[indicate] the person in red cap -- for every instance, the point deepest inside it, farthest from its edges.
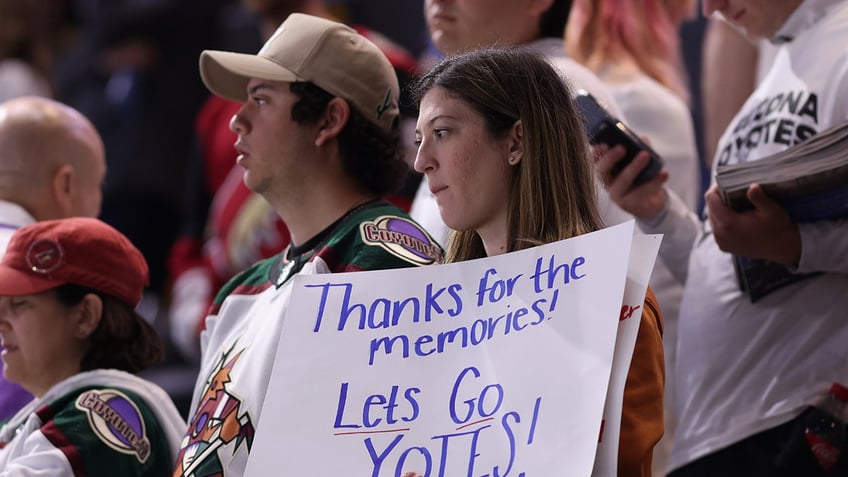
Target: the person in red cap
(70, 336)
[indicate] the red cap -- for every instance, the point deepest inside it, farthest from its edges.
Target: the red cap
(839, 391)
(81, 251)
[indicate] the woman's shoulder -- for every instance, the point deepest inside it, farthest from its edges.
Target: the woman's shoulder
(107, 429)
(652, 311)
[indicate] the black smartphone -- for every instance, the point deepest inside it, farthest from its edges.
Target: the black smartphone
(603, 128)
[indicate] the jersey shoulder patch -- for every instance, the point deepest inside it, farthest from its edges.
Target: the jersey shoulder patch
(116, 420)
(401, 237)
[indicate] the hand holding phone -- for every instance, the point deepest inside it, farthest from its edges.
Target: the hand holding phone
(603, 128)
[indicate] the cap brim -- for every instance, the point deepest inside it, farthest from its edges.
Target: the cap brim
(14, 282)
(226, 73)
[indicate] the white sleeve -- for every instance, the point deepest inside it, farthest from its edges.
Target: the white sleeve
(37, 457)
(824, 247)
(680, 228)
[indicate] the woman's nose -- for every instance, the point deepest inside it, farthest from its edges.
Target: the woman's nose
(424, 161)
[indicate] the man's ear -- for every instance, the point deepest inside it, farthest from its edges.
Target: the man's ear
(62, 188)
(336, 115)
(516, 143)
(89, 312)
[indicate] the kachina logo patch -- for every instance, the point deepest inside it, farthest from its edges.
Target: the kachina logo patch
(402, 238)
(116, 421)
(219, 420)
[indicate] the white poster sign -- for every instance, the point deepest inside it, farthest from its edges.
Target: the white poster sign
(642, 258)
(497, 367)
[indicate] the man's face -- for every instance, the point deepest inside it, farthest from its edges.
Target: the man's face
(273, 148)
(756, 18)
(457, 25)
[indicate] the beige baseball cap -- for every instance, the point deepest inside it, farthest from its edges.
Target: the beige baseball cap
(331, 55)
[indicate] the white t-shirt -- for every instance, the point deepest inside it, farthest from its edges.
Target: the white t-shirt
(743, 368)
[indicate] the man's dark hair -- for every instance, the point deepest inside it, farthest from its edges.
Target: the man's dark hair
(371, 155)
(553, 21)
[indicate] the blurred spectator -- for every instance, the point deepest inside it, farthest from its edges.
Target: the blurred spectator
(51, 166)
(132, 72)
(634, 48)
(24, 61)
(401, 21)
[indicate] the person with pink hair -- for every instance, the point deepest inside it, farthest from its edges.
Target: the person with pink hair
(613, 38)
(634, 48)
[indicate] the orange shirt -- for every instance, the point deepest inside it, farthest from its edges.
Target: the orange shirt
(642, 415)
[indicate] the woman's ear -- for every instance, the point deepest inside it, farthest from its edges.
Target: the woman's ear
(89, 313)
(516, 143)
(336, 115)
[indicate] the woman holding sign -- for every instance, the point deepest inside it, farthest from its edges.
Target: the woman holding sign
(507, 159)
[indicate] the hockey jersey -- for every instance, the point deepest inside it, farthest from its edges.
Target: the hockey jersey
(96, 423)
(245, 322)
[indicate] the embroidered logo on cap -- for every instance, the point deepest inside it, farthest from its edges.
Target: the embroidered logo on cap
(402, 238)
(44, 256)
(387, 103)
(116, 421)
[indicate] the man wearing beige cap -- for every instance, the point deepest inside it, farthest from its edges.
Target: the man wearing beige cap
(318, 139)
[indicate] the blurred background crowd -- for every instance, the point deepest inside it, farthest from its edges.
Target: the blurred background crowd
(130, 66)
